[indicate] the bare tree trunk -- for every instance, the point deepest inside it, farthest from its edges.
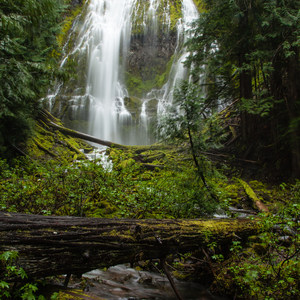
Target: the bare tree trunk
(50, 245)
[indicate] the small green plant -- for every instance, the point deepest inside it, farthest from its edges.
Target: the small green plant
(269, 268)
(9, 269)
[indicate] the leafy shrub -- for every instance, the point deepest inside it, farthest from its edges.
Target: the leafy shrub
(269, 268)
(9, 268)
(88, 189)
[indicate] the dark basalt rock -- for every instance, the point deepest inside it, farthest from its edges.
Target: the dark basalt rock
(149, 55)
(76, 2)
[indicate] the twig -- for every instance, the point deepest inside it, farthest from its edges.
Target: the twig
(164, 267)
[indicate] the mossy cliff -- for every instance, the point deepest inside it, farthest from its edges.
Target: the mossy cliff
(200, 5)
(153, 42)
(168, 12)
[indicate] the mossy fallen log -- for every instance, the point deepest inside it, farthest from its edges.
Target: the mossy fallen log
(251, 194)
(50, 245)
(51, 121)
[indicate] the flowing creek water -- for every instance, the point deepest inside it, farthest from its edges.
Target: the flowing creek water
(124, 283)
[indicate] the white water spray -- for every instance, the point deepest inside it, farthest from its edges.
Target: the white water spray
(109, 31)
(101, 46)
(178, 71)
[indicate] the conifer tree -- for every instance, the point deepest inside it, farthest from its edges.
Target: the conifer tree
(250, 51)
(27, 40)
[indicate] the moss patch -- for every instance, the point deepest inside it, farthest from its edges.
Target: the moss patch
(138, 86)
(68, 22)
(168, 11)
(47, 143)
(200, 5)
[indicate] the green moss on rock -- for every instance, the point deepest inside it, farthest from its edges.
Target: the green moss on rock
(200, 5)
(156, 74)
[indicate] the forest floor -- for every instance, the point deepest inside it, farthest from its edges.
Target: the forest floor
(158, 181)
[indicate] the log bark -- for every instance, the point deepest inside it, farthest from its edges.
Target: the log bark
(50, 245)
(50, 121)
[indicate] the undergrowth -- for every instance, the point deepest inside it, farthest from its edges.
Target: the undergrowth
(268, 267)
(88, 189)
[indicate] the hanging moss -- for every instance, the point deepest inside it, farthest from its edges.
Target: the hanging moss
(175, 12)
(166, 9)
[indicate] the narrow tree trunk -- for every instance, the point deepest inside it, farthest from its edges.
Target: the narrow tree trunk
(50, 245)
(293, 103)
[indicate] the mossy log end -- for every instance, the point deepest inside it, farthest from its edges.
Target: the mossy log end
(50, 245)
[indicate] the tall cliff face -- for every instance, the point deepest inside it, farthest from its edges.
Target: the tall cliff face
(122, 50)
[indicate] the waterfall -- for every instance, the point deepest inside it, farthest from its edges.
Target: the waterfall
(178, 71)
(102, 49)
(109, 30)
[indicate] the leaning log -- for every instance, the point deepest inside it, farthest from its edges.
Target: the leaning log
(50, 121)
(51, 245)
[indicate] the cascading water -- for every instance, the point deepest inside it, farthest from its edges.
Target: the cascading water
(178, 71)
(103, 50)
(110, 27)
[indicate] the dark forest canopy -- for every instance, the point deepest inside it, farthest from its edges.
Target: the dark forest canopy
(250, 51)
(28, 55)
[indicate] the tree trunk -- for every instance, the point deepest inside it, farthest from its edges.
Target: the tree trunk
(50, 245)
(293, 103)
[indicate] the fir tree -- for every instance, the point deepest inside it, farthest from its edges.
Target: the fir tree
(250, 51)
(27, 40)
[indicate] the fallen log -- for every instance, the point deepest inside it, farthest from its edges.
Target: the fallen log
(51, 245)
(252, 196)
(50, 121)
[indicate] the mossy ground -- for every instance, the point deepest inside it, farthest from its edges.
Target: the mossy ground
(47, 143)
(159, 167)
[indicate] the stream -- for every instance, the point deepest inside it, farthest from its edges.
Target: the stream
(124, 283)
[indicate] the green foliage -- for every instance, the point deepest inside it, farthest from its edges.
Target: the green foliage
(27, 35)
(269, 267)
(249, 50)
(9, 268)
(190, 121)
(88, 189)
